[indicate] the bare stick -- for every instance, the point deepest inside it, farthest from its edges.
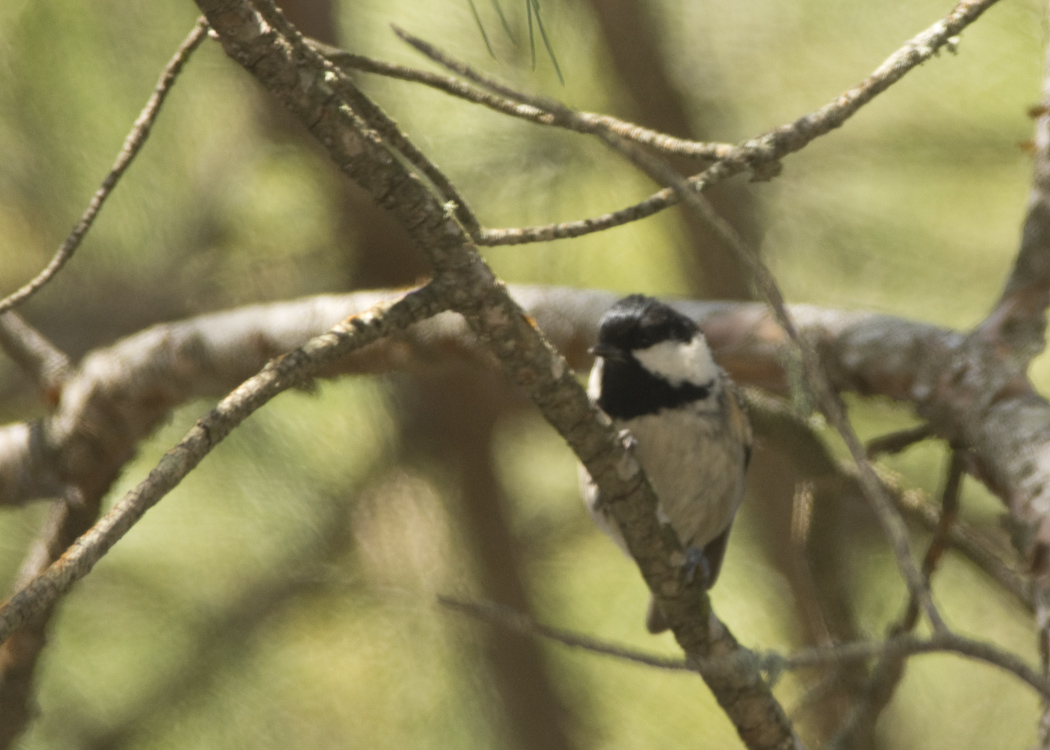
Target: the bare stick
(904, 646)
(771, 663)
(276, 377)
(506, 617)
(520, 105)
(132, 144)
(939, 542)
(651, 206)
(888, 673)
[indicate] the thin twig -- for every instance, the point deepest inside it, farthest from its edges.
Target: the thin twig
(524, 107)
(771, 663)
(132, 144)
(941, 535)
(288, 371)
(460, 68)
(905, 646)
(973, 545)
(654, 204)
(949, 512)
(521, 623)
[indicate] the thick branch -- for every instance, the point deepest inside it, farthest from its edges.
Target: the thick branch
(129, 388)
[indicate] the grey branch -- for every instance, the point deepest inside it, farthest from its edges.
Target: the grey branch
(119, 394)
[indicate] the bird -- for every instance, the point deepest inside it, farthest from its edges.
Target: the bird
(654, 376)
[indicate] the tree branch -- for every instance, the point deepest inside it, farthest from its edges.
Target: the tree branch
(761, 155)
(289, 371)
(135, 383)
(898, 648)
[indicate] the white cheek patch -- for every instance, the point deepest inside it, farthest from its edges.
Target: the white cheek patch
(594, 383)
(679, 362)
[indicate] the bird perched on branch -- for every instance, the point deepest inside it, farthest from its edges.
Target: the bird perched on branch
(654, 376)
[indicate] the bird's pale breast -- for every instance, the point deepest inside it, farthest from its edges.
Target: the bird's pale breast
(696, 470)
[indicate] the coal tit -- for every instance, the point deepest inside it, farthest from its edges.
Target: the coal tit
(654, 376)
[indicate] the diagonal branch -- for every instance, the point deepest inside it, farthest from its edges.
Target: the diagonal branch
(288, 371)
(302, 80)
(507, 617)
(888, 672)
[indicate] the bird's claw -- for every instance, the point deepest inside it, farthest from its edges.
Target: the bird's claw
(696, 561)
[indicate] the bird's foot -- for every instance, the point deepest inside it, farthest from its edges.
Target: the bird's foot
(696, 561)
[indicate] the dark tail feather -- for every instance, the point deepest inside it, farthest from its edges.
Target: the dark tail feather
(714, 553)
(654, 619)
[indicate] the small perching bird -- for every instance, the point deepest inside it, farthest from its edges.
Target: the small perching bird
(654, 376)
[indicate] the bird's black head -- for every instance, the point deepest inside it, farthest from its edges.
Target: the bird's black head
(638, 322)
(653, 358)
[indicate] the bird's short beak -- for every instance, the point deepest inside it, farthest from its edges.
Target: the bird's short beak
(605, 351)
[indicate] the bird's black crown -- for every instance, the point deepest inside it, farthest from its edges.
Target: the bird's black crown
(638, 322)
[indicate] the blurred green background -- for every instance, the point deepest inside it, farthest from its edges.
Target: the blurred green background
(284, 595)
